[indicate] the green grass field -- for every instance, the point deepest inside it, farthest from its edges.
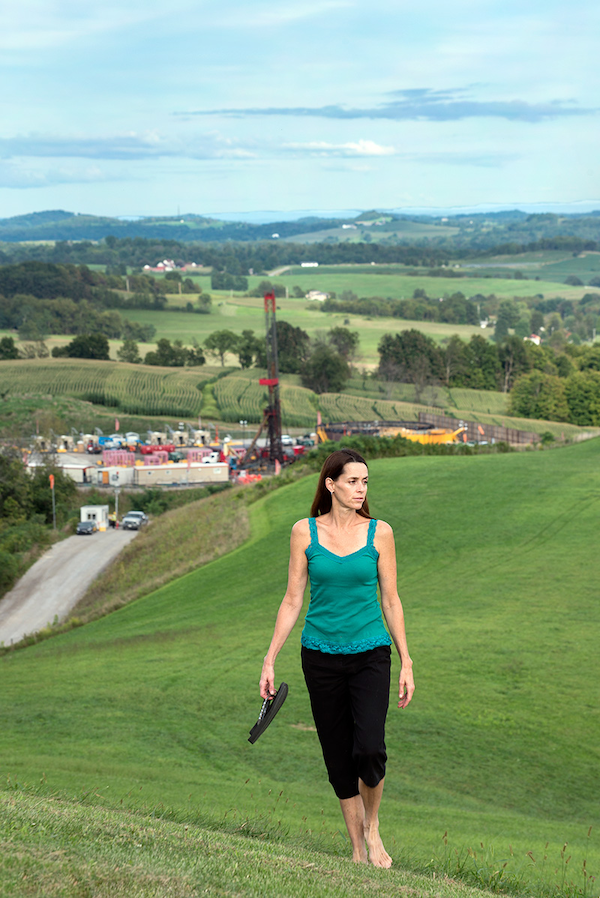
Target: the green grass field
(549, 265)
(149, 709)
(366, 281)
(243, 313)
(403, 229)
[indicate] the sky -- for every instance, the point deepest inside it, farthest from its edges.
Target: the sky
(141, 107)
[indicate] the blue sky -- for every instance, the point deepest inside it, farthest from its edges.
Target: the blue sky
(145, 107)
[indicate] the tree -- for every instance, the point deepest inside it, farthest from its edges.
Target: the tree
(175, 355)
(204, 303)
(15, 485)
(249, 348)
(195, 357)
(221, 280)
(325, 371)
(514, 361)
(523, 327)
(539, 395)
(508, 316)
(501, 329)
(129, 352)
(345, 342)
(481, 365)
(219, 343)
(268, 287)
(454, 359)
(85, 346)
(412, 356)
(537, 322)
(8, 348)
(65, 490)
(293, 347)
(582, 390)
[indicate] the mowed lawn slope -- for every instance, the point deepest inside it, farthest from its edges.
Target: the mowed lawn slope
(499, 572)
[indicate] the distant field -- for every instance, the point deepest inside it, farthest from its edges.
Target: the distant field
(241, 313)
(365, 282)
(549, 265)
(402, 229)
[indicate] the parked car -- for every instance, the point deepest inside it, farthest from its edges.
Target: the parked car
(133, 520)
(286, 440)
(86, 528)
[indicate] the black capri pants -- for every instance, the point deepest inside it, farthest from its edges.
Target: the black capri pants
(349, 696)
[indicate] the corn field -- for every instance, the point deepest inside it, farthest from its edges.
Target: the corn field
(239, 397)
(134, 389)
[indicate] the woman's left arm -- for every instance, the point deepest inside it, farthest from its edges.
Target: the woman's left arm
(392, 608)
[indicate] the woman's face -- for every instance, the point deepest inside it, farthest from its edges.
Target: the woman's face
(350, 489)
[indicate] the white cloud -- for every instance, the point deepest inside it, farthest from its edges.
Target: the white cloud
(351, 148)
(129, 146)
(23, 177)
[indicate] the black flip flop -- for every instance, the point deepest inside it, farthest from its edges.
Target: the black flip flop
(268, 711)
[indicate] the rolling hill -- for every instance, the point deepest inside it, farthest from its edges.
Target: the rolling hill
(149, 709)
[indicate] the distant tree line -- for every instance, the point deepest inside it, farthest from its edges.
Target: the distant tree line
(35, 319)
(233, 258)
(555, 320)
(543, 383)
(40, 298)
(455, 309)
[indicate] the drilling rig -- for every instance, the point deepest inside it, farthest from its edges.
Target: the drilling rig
(271, 421)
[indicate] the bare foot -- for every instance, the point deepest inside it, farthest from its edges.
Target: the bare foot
(378, 856)
(359, 856)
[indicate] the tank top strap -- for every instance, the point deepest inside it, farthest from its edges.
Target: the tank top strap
(371, 532)
(314, 537)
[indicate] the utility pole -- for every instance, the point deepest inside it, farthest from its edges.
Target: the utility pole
(51, 478)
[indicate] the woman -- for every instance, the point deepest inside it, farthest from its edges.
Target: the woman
(345, 646)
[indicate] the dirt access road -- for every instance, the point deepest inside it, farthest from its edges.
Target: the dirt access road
(57, 581)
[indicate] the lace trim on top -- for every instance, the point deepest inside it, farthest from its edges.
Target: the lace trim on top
(352, 648)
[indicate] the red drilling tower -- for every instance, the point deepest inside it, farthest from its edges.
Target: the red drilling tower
(273, 411)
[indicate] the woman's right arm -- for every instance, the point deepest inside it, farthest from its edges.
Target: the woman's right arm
(290, 608)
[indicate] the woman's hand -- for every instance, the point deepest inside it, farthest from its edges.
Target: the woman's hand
(406, 686)
(267, 681)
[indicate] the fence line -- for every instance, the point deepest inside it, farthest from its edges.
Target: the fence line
(478, 432)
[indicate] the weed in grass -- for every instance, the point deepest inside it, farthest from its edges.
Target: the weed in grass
(507, 875)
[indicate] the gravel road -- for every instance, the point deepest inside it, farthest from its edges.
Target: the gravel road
(57, 581)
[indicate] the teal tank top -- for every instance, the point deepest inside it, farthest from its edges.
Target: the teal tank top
(344, 615)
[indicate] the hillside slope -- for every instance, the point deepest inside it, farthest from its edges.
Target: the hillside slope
(151, 706)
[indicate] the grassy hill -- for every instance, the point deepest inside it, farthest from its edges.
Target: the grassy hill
(148, 710)
(66, 848)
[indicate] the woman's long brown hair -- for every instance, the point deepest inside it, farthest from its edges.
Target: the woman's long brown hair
(333, 467)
